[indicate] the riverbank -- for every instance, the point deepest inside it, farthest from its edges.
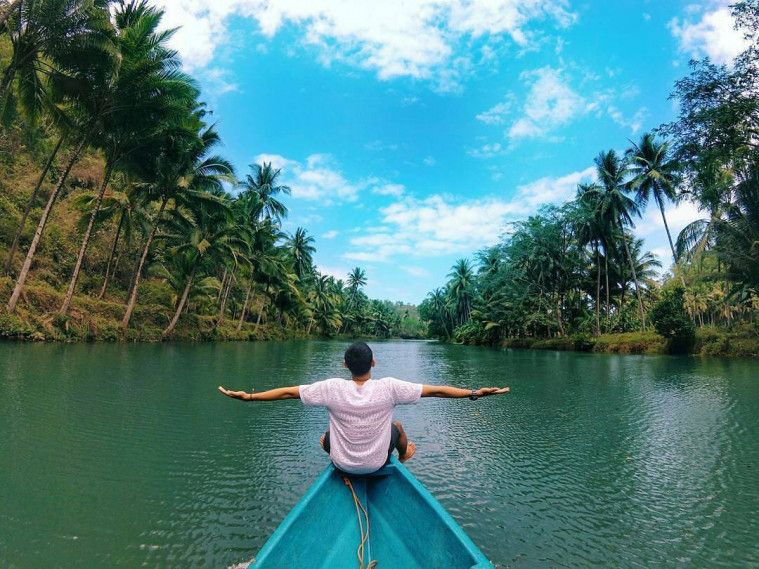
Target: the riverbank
(709, 342)
(91, 320)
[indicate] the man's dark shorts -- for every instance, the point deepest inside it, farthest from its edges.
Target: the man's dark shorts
(395, 434)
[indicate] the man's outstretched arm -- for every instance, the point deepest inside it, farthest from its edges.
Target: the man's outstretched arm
(271, 395)
(458, 393)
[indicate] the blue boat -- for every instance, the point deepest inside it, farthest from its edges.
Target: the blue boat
(408, 528)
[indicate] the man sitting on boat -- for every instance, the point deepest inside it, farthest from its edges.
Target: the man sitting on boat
(362, 434)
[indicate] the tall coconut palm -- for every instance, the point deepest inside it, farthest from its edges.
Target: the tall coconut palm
(146, 93)
(617, 208)
(29, 204)
(261, 188)
(588, 226)
(460, 288)
(7, 7)
(356, 279)
(51, 37)
(206, 235)
(301, 248)
(182, 165)
(85, 66)
(654, 174)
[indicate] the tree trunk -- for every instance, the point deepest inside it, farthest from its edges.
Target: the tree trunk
(7, 9)
(29, 204)
(24, 273)
(606, 273)
(136, 286)
(260, 313)
(558, 316)
(224, 298)
(669, 236)
(244, 307)
(111, 256)
(598, 292)
(182, 301)
(221, 287)
(86, 239)
(635, 280)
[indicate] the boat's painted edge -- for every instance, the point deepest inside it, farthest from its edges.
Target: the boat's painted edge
(296, 510)
(482, 562)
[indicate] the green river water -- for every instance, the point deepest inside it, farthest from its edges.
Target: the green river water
(125, 455)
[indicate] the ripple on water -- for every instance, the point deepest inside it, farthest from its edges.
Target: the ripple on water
(605, 461)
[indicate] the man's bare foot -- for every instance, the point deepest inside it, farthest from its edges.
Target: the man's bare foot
(410, 451)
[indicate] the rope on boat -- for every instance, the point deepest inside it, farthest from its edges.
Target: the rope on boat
(364, 534)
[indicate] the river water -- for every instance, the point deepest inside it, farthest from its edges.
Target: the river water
(126, 455)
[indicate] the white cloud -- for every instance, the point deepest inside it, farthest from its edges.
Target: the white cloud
(634, 123)
(486, 150)
(429, 161)
(550, 103)
(417, 272)
(331, 234)
(395, 190)
(713, 35)
(551, 190)
(411, 38)
(442, 225)
(318, 179)
(497, 114)
(339, 273)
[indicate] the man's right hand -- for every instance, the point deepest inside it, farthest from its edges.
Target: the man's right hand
(485, 391)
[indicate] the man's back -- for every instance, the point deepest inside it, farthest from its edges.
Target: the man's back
(360, 417)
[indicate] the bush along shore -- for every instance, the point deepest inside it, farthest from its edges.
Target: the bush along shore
(119, 219)
(576, 276)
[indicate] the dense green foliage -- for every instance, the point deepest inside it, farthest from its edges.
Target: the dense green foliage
(671, 320)
(578, 269)
(138, 219)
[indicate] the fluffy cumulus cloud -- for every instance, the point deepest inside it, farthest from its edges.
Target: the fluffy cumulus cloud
(319, 178)
(443, 225)
(413, 38)
(551, 102)
(712, 33)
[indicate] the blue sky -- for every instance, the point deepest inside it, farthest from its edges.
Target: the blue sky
(411, 132)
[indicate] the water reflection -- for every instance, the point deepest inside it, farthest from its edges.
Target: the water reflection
(125, 455)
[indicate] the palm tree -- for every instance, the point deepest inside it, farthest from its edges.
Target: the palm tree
(460, 288)
(88, 63)
(206, 235)
(261, 189)
(184, 165)
(29, 204)
(589, 229)
(301, 248)
(654, 174)
(8, 7)
(51, 37)
(129, 207)
(616, 208)
(356, 279)
(146, 93)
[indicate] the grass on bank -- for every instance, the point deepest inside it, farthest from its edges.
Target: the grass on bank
(709, 342)
(37, 319)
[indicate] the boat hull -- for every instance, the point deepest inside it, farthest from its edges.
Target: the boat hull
(409, 527)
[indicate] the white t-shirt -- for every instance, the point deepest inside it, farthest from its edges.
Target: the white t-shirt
(360, 417)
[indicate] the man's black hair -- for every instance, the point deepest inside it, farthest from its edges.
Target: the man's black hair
(358, 358)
